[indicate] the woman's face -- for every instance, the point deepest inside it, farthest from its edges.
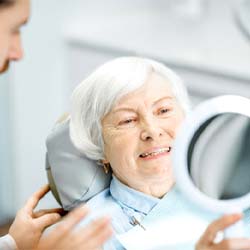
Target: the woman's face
(139, 132)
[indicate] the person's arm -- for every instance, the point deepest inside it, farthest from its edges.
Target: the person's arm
(206, 242)
(7, 243)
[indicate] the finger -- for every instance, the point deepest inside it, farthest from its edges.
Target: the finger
(218, 225)
(100, 236)
(47, 220)
(42, 212)
(75, 216)
(69, 222)
(36, 197)
(97, 240)
(94, 234)
(233, 244)
(99, 227)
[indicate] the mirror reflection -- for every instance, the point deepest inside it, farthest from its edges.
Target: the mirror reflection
(219, 157)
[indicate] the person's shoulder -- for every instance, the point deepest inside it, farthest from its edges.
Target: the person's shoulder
(100, 199)
(102, 204)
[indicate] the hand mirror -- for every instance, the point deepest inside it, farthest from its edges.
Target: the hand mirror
(212, 156)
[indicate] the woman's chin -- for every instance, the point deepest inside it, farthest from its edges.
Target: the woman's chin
(159, 168)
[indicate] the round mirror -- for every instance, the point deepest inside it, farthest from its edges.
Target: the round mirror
(218, 157)
(212, 154)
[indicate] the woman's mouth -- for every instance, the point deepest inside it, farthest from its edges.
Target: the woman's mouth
(155, 153)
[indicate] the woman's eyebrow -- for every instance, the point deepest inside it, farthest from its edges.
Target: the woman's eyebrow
(120, 109)
(162, 99)
(123, 109)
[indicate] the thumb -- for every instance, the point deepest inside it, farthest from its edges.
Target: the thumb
(47, 220)
(218, 225)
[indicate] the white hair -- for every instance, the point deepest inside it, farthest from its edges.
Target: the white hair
(95, 96)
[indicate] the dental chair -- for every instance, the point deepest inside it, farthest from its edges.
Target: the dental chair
(73, 178)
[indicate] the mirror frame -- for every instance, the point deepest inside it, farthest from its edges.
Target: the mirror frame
(196, 118)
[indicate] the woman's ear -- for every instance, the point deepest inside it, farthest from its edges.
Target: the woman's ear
(104, 161)
(106, 166)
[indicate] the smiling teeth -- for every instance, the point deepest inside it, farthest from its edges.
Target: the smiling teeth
(160, 151)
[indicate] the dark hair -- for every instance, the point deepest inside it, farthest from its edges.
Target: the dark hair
(6, 2)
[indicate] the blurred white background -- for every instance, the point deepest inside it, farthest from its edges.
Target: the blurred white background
(65, 40)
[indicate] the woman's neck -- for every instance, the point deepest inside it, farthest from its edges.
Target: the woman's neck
(157, 190)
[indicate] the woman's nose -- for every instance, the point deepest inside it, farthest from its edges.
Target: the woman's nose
(151, 131)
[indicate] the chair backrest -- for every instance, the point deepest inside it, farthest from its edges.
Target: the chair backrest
(73, 178)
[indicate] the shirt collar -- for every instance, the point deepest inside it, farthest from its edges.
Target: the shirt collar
(132, 198)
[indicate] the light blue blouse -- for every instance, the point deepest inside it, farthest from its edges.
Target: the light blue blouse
(126, 206)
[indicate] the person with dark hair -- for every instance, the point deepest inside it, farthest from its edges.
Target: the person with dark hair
(26, 231)
(6, 2)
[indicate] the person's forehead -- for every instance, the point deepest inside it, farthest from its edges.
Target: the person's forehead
(22, 10)
(156, 87)
(16, 14)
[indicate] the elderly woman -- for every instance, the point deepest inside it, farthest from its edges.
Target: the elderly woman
(125, 115)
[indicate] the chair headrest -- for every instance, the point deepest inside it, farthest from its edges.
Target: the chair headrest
(73, 178)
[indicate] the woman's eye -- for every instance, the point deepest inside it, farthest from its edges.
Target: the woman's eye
(164, 110)
(127, 121)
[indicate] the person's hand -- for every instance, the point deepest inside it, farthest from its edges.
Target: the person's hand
(65, 237)
(28, 225)
(206, 242)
